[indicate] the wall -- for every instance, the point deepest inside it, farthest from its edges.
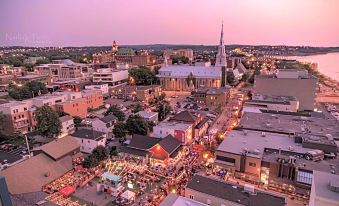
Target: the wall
(88, 145)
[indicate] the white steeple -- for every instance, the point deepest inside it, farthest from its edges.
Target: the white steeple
(221, 55)
(165, 61)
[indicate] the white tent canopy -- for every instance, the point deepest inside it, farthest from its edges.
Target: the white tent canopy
(129, 195)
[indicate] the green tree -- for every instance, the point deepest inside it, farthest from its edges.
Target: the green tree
(136, 125)
(77, 121)
(100, 153)
(114, 110)
(119, 130)
(137, 107)
(230, 77)
(89, 162)
(48, 123)
(27, 91)
(163, 108)
(142, 76)
(244, 77)
(36, 87)
(61, 113)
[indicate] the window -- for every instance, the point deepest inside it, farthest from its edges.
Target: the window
(252, 164)
(304, 177)
(191, 197)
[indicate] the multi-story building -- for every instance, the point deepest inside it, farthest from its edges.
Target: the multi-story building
(89, 139)
(110, 76)
(105, 124)
(143, 93)
(216, 192)
(170, 53)
(177, 200)
(94, 98)
(102, 87)
(63, 70)
(274, 159)
(181, 131)
(289, 82)
(325, 189)
(212, 96)
(17, 117)
(67, 125)
(76, 107)
(273, 103)
(149, 116)
(188, 117)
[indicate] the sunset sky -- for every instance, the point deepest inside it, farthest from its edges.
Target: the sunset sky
(99, 22)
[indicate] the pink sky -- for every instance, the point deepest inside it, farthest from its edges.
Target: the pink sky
(99, 22)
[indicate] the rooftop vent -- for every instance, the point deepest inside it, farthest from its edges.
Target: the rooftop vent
(263, 134)
(334, 185)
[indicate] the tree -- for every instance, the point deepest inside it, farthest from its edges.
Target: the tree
(142, 76)
(100, 153)
(36, 87)
(119, 130)
(136, 125)
(114, 110)
(163, 108)
(77, 121)
(244, 77)
(27, 91)
(230, 77)
(48, 123)
(61, 113)
(89, 162)
(137, 107)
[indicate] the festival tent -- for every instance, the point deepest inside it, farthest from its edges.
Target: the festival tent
(66, 191)
(129, 195)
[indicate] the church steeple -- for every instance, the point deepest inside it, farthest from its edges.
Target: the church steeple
(221, 55)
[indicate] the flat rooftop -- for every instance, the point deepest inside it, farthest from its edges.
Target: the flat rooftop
(286, 124)
(322, 182)
(146, 114)
(177, 200)
(275, 99)
(177, 125)
(233, 192)
(239, 141)
(210, 90)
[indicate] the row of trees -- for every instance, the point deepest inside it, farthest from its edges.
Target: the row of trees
(27, 91)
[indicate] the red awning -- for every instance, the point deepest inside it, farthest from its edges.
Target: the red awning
(66, 191)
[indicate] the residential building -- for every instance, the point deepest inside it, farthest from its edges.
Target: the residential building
(110, 76)
(273, 103)
(201, 128)
(239, 70)
(89, 139)
(212, 96)
(94, 98)
(177, 200)
(325, 189)
(148, 93)
(216, 192)
(149, 116)
(76, 107)
(67, 125)
(154, 151)
(183, 132)
(49, 162)
(105, 124)
(188, 117)
(289, 82)
(170, 53)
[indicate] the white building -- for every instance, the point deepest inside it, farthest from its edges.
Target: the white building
(110, 76)
(325, 189)
(105, 124)
(273, 103)
(149, 116)
(102, 87)
(89, 139)
(67, 125)
(180, 131)
(177, 200)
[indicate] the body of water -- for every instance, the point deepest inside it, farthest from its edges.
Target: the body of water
(328, 64)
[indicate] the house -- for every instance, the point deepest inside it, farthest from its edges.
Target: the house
(154, 151)
(177, 200)
(89, 139)
(149, 116)
(180, 131)
(188, 117)
(67, 125)
(105, 124)
(239, 70)
(216, 192)
(49, 162)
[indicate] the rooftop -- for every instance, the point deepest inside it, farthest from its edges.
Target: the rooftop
(286, 124)
(59, 147)
(185, 71)
(177, 125)
(233, 192)
(31, 198)
(275, 99)
(185, 116)
(322, 182)
(255, 143)
(177, 200)
(209, 90)
(65, 118)
(143, 142)
(86, 133)
(108, 118)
